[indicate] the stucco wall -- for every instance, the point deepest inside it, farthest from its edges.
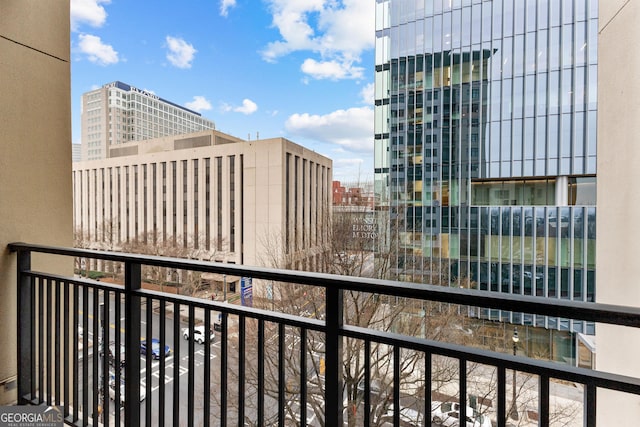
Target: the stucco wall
(35, 136)
(618, 238)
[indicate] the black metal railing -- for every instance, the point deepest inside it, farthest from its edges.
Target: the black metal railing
(79, 341)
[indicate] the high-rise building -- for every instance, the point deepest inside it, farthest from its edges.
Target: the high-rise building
(485, 150)
(118, 113)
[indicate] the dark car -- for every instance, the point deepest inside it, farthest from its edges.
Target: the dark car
(155, 348)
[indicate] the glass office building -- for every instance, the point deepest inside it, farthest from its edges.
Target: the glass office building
(485, 145)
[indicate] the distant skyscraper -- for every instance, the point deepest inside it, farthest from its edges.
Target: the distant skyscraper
(485, 148)
(76, 152)
(118, 113)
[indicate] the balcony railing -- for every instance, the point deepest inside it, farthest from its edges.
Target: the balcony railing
(79, 346)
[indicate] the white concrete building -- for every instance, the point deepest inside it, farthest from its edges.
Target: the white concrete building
(224, 198)
(118, 113)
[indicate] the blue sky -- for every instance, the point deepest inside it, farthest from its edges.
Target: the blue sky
(300, 69)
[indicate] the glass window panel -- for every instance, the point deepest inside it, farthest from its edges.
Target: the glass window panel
(528, 139)
(530, 53)
(506, 99)
(542, 94)
(593, 41)
(486, 21)
(518, 55)
(593, 87)
(496, 61)
(531, 15)
(540, 281)
(567, 132)
(591, 129)
(580, 84)
(456, 30)
(428, 34)
(507, 57)
(518, 89)
(495, 96)
(542, 50)
(518, 20)
(529, 95)
(554, 48)
(527, 277)
(528, 221)
(437, 33)
(505, 154)
(581, 44)
(507, 25)
(466, 27)
(553, 136)
(517, 139)
(580, 141)
(591, 285)
(476, 23)
(446, 31)
(567, 46)
(543, 13)
(551, 282)
(506, 279)
(580, 10)
(541, 138)
(567, 11)
(495, 141)
(577, 285)
(554, 12)
(554, 85)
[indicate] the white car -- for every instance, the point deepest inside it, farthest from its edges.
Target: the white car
(448, 414)
(408, 417)
(198, 334)
(112, 391)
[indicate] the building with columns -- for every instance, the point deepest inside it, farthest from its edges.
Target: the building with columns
(220, 197)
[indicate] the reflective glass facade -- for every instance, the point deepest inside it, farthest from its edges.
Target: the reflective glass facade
(485, 144)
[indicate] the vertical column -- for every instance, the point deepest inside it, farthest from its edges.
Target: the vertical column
(562, 191)
(333, 373)
(25, 327)
(132, 280)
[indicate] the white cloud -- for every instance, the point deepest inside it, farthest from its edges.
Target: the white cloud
(368, 95)
(336, 29)
(89, 12)
(351, 129)
(333, 70)
(180, 52)
(96, 51)
(225, 5)
(199, 103)
(248, 107)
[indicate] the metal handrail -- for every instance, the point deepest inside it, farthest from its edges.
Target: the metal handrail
(332, 326)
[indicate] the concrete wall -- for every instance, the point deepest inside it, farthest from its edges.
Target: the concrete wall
(35, 136)
(618, 238)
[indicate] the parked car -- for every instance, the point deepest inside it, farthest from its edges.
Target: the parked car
(112, 353)
(409, 417)
(155, 348)
(112, 391)
(198, 334)
(448, 414)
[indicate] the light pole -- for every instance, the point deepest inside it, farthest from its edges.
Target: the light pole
(513, 413)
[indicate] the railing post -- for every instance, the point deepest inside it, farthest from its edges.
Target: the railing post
(25, 326)
(333, 363)
(132, 283)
